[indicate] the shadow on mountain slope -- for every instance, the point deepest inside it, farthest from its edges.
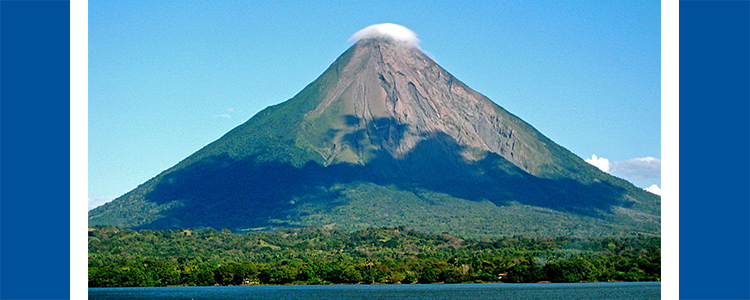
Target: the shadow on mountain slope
(220, 191)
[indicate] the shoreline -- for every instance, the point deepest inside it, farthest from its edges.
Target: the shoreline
(375, 284)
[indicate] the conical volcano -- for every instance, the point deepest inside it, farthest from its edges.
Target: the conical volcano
(387, 137)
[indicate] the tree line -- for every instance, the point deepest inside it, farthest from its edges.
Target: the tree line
(125, 257)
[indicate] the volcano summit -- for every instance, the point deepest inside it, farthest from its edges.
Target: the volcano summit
(387, 137)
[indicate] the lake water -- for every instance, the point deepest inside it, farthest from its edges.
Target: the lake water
(562, 291)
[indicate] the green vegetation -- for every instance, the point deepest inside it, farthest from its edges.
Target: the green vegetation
(125, 257)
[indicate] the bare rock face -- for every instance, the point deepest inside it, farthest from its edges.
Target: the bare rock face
(396, 96)
(380, 132)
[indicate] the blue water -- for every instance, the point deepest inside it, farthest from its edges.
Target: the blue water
(547, 291)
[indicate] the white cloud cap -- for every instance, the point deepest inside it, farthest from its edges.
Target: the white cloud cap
(390, 31)
(599, 162)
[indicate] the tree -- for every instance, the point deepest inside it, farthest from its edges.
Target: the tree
(572, 270)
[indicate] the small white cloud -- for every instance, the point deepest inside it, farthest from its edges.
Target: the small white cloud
(226, 114)
(599, 162)
(641, 168)
(390, 31)
(654, 189)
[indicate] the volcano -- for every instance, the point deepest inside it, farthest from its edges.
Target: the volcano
(387, 137)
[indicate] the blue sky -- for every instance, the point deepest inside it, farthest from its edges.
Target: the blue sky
(168, 77)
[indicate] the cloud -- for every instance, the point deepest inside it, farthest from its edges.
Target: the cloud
(390, 31)
(98, 201)
(226, 114)
(640, 169)
(599, 162)
(654, 189)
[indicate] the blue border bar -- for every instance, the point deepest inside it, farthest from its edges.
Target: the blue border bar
(34, 150)
(714, 150)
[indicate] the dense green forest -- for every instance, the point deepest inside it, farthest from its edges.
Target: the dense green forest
(125, 257)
